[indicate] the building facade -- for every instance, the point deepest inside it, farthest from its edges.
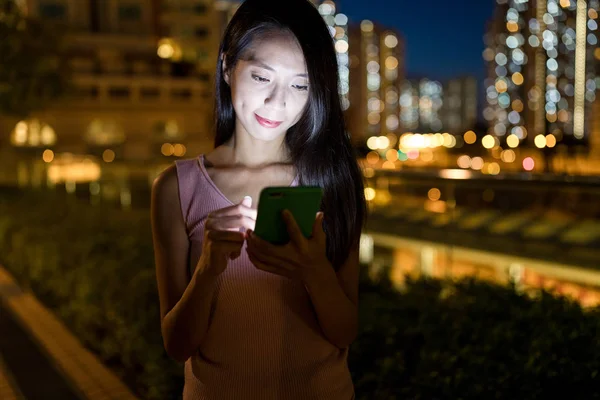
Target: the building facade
(376, 61)
(542, 71)
(142, 72)
(431, 106)
(459, 107)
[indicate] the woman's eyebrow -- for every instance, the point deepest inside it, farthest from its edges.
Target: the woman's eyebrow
(261, 64)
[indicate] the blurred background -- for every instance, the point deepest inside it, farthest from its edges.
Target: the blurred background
(477, 124)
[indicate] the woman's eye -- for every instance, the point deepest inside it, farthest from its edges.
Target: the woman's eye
(302, 88)
(259, 78)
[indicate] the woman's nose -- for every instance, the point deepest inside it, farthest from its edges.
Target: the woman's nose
(276, 99)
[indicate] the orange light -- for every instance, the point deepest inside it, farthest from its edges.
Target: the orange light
(512, 26)
(108, 155)
(517, 105)
(470, 137)
(501, 86)
(517, 78)
(372, 157)
(167, 149)
(48, 155)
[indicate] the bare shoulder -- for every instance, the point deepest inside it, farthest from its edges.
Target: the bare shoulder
(165, 205)
(165, 185)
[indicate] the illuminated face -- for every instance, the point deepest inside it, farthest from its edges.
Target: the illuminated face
(270, 89)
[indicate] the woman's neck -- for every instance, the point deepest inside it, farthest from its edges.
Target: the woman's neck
(244, 150)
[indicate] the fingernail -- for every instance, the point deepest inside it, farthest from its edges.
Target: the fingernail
(248, 198)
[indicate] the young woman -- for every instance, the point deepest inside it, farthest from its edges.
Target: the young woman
(253, 320)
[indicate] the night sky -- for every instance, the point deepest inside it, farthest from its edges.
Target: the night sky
(444, 38)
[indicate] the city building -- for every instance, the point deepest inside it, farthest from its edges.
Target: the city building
(459, 107)
(143, 77)
(338, 28)
(429, 105)
(376, 61)
(421, 101)
(543, 76)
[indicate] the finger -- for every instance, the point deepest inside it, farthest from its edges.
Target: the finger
(238, 209)
(264, 247)
(231, 236)
(226, 248)
(317, 229)
(293, 229)
(270, 259)
(270, 268)
(247, 201)
(231, 222)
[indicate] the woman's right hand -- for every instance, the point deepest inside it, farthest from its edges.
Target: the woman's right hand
(224, 235)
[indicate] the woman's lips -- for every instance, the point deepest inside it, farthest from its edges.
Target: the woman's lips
(267, 123)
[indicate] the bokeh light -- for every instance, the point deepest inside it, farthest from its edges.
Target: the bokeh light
(470, 137)
(477, 163)
(108, 155)
(528, 164)
(48, 155)
(369, 193)
(373, 157)
(434, 194)
(512, 141)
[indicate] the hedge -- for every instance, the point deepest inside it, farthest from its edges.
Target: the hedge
(93, 265)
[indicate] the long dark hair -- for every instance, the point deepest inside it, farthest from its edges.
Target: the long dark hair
(318, 143)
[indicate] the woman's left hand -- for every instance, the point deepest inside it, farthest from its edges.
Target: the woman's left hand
(303, 259)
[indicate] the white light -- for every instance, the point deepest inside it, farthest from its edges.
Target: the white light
(341, 46)
(391, 41)
(366, 249)
(326, 9)
(580, 50)
(456, 174)
(552, 64)
(341, 19)
(165, 50)
(512, 42)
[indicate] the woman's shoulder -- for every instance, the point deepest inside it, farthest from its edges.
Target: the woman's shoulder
(166, 183)
(168, 179)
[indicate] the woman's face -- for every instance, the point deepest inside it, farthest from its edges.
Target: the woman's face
(270, 89)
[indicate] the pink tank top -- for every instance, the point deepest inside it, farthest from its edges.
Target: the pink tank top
(263, 340)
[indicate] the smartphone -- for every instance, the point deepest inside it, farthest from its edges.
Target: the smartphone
(302, 201)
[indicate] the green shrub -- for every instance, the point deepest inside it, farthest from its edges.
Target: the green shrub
(433, 340)
(94, 267)
(473, 340)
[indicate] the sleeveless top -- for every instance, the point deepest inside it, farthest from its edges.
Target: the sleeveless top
(263, 341)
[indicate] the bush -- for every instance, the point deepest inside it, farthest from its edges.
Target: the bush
(473, 340)
(94, 267)
(433, 340)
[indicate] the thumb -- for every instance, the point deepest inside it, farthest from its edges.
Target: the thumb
(318, 231)
(247, 201)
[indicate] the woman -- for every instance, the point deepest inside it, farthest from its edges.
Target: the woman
(253, 320)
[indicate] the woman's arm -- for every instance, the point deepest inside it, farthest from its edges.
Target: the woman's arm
(335, 299)
(184, 306)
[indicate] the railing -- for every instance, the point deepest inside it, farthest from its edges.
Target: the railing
(536, 230)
